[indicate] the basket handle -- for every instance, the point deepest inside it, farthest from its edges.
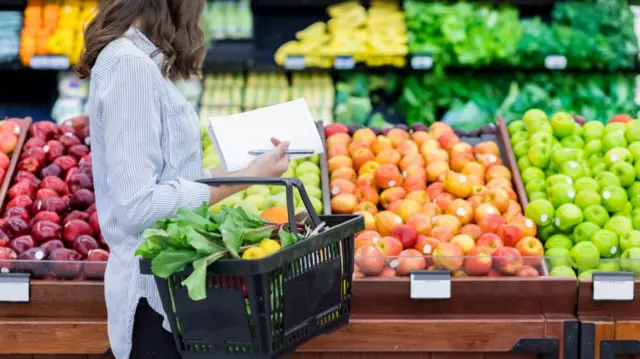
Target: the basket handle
(289, 183)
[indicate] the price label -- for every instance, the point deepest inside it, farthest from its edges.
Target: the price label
(14, 288)
(294, 62)
(344, 62)
(49, 62)
(422, 62)
(435, 284)
(613, 286)
(555, 62)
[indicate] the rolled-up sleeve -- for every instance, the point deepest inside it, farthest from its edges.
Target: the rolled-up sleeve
(132, 127)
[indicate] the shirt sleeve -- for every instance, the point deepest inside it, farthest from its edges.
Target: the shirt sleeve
(132, 126)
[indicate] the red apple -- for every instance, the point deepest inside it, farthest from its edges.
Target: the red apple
(510, 234)
(369, 260)
(405, 234)
(527, 271)
(410, 260)
(507, 260)
(531, 249)
(478, 262)
(490, 240)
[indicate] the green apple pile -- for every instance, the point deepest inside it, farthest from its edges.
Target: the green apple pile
(583, 186)
(257, 198)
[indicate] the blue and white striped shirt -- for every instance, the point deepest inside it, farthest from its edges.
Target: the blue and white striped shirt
(146, 148)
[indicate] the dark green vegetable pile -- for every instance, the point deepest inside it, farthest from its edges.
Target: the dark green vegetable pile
(200, 238)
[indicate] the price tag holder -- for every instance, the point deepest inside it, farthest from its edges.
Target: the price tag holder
(294, 62)
(432, 284)
(346, 62)
(15, 287)
(49, 63)
(421, 62)
(613, 286)
(555, 62)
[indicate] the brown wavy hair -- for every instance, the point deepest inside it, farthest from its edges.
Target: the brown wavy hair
(172, 25)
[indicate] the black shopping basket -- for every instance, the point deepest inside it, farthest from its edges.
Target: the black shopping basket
(267, 308)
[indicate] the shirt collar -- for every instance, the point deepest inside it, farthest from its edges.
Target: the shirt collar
(144, 44)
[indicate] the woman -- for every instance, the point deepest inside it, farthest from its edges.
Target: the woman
(145, 141)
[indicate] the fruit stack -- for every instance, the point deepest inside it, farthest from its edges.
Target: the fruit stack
(51, 212)
(55, 28)
(582, 183)
(9, 132)
(270, 201)
(430, 201)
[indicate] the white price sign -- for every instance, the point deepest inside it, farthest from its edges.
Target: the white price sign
(613, 286)
(421, 62)
(555, 62)
(14, 288)
(49, 62)
(344, 63)
(294, 63)
(434, 284)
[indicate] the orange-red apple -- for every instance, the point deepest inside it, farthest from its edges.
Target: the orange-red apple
(407, 208)
(420, 222)
(527, 271)
(366, 206)
(457, 184)
(465, 242)
(478, 261)
(405, 234)
(387, 176)
(421, 197)
(448, 256)
(443, 234)
(491, 223)
(531, 250)
(410, 260)
(461, 209)
(472, 230)
(389, 246)
(344, 203)
(491, 240)
(341, 185)
(367, 194)
(487, 147)
(366, 238)
(482, 211)
(369, 260)
(510, 234)
(498, 198)
(507, 260)
(339, 162)
(386, 221)
(392, 194)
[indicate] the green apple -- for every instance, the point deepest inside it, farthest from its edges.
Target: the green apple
(606, 241)
(560, 194)
(307, 167)
(592, 147)
(521, 149)
(256, 199)
(310, 179)
(537, 195)
(531, 173)
(517, 126)
(317, 204)
(230, 201)
(539, 127)
(585, 256)
(634, 148)
(585, 199)
(618, 127)
(633, 192)
(635, 221)
(563, 124)
(637, 168)
(558, 257)
(630, 260)
(558, 178)
(279, 199)
(558, 241)
(632, 132)
(614, 198)
(578, 130)
(277, 189)
(572, 141)
(625, 172)
(588, 274)
(630, 239)
(592, 130)
(539, 156)
(550, 172)
(563, 155)
(519, 137)
(534, 115)
(596, 160)
(584, 231)
(536, 185)
(258, 189)
(562, 271)
(606, 179)
(568, 216)
(541, 211)
(618, 154)
(609, 265)
(314, 192)
(596, 214)
(572, 169)
(586, 184)
(612, 140)
(248, 207)
(523, 163)
(541, 139)
(315, 159)
(544, 233)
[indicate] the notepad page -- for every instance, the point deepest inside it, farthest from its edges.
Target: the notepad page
(235, 135)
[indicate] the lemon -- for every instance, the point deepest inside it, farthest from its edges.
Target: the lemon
(254, 253)
(269, 246)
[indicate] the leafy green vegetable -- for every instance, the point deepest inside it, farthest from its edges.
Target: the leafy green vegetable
(200, 238)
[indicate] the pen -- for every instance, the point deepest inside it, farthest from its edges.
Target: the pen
(289, 152)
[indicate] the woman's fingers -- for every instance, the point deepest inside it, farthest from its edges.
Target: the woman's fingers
(282, 148)
(275, 141)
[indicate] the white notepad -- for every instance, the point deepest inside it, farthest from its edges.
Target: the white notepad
(235, 135)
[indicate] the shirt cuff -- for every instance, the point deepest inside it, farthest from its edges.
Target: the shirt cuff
(194, 194)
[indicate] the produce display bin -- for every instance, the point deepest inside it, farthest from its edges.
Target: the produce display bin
(15, 157)
(484, 317)
(309, 285)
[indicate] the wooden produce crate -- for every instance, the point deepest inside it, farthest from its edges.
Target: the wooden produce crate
(484, 317)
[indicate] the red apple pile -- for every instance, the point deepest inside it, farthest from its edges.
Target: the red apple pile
(9, 132)
(50, 212)
(430, 201)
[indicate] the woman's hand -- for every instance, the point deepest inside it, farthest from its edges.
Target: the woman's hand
(273, 163)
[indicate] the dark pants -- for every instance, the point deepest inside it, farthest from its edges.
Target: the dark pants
(150, 340)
